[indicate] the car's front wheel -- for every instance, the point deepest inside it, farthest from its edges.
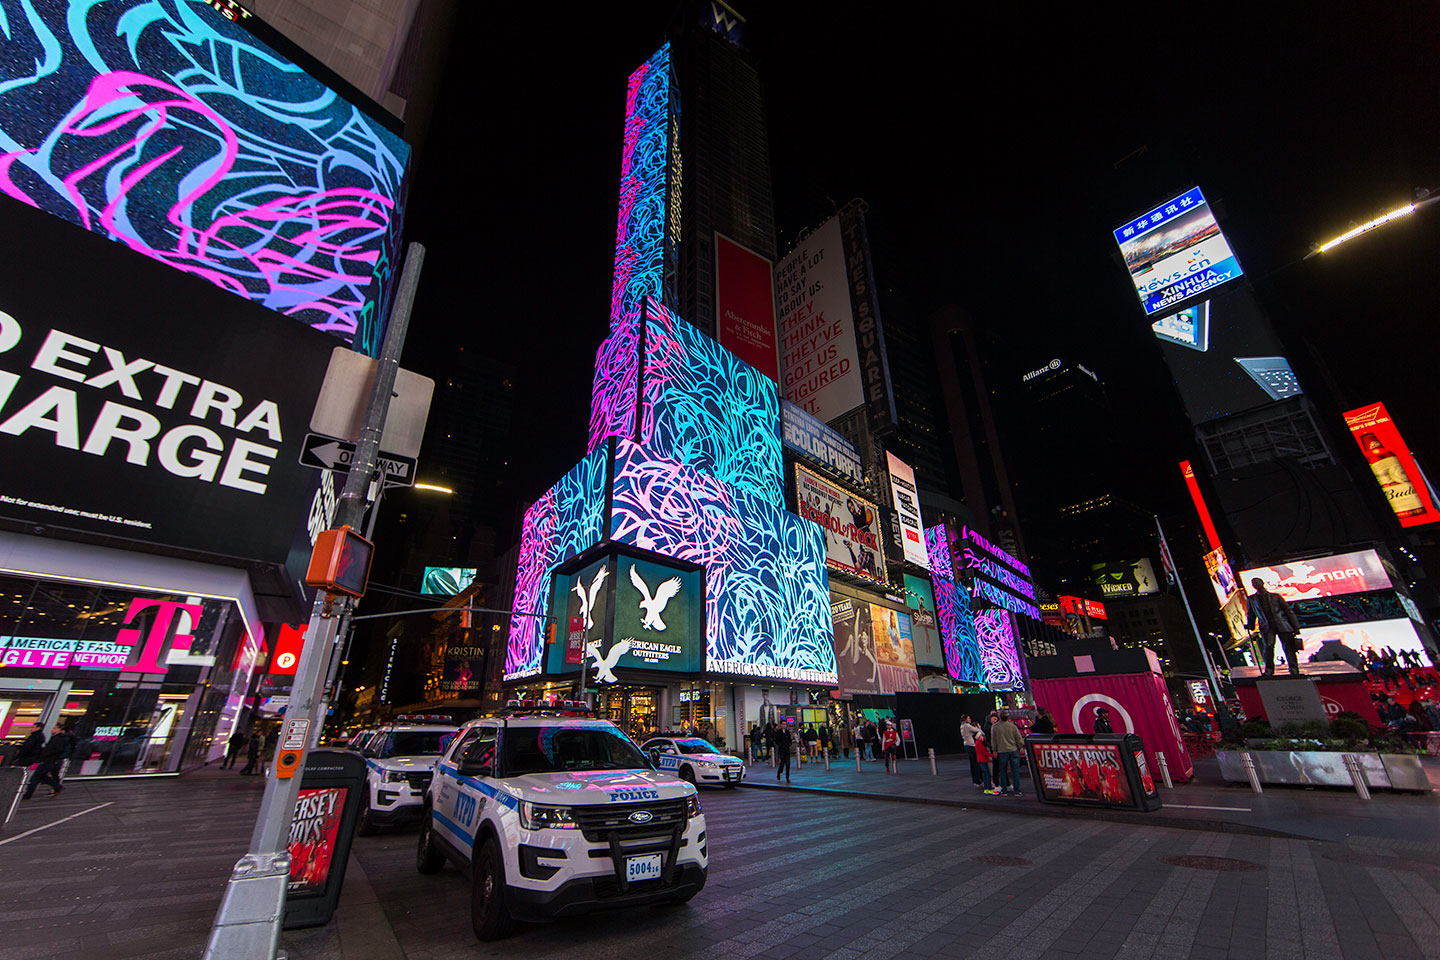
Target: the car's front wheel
(428, 856)
(488, 913)
(365, 826)
(687, 774)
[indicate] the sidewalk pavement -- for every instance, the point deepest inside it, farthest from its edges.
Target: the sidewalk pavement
(1208, 802)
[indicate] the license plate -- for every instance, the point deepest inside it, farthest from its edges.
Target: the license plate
(644, 868)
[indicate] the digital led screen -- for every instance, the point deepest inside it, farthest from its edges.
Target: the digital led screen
(906, 499)
(1224, 356)
(1378, 635)
(1321, 576)
(952, 604)
(1132, 578)
(851, 524)
(447, 581)
(997, 578)
(894, 648)
(1176, 252)
(999, 656)
(1222, 575)
(1355, 608)
(813, 439)
(167, 127)
(767, 600)
(857, 667)
(1394, 466)
(924, 627)
(143, 404)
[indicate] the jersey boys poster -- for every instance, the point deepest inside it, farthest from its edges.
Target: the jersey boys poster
(1081, 772)
(313, 836)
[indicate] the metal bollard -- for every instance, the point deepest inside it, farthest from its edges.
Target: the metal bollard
(932, 762)
(857, 761)
(1164, 770)
(1251, 772)
(1357, 775)
(826, 751)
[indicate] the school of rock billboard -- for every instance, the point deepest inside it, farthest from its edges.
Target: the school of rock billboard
(851, 525)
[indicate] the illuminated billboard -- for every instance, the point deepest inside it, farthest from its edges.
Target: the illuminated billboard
(1394, 467)
(1398, 635)
(447, 581)
(1132, 578)
(1176, 252)
(873, 648)
(1222, 575)
(997, 577)
(1321, 576)
(924, 627)
(999, 655)
(812, 439)
(745, 306)
(167, 127)
(819, 359)
(851, 525)
(906, 499)
(1224, 356)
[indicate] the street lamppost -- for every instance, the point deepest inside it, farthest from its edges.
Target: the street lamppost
(1424, 200)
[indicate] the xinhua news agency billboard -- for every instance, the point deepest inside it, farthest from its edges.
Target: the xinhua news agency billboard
(1176, 252)
(1394, 467)
(141, 403)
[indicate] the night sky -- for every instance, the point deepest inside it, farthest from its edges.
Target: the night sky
(997, 150)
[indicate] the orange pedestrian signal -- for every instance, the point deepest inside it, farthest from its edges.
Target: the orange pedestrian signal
(340, 562)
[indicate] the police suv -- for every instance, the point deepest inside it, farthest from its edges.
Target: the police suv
(399, 761)
(696, 760)
(554, 813)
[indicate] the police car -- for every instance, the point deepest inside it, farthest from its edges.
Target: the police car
(399, 760)
(695, 760)
(554, 813)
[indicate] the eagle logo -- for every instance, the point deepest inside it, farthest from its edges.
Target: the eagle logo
(588, 598)
(605, 666)
(653, 604)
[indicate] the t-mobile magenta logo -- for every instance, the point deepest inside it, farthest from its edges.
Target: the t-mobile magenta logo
(151, 660)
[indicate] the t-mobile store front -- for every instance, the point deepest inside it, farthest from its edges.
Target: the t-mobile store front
(148, 681)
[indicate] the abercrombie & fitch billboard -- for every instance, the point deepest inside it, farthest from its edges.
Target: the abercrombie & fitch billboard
(140, 403)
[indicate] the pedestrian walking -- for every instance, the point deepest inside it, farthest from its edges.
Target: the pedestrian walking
(968, 732)
(845, 739)
(827, 739)
(252, 753)
(889, 744)
(873, 740)
(757, 737)
(783, 744)
(1007, 741)
(811, 740)
(989, 725)
(232, 749)
(50, 760)
(30, 747)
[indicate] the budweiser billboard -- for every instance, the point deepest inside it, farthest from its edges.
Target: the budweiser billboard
(1394, 467)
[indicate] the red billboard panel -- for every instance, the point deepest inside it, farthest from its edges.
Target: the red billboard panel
(1331, 576)
(1188, 472)
(1138, 703)
(1080, 607)
(1394, 467)
(287, 649)
(745, 306)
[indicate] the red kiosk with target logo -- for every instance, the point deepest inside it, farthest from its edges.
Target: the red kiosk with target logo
(1127, 685)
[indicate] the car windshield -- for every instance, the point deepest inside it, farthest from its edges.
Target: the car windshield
(558, 748)
(416, 743)
(696, 746)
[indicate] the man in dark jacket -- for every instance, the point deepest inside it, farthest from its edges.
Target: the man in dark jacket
(783, 743)
(233, 745)
(30, 748)
(252, 755)
(52, 757)
(1271, 616)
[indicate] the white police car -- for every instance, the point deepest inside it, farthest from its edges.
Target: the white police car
(399, 761)
(553, 814)
(695, 760)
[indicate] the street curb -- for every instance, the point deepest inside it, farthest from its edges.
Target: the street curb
(1037, 809)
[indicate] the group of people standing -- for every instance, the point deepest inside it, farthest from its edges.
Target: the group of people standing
(869, 739)
(1391, 668)
(255, 744)
(994, 747)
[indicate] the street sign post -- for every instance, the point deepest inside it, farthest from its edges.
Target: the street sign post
(330, 453)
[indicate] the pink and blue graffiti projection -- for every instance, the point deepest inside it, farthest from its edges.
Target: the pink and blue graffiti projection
(995, 632)
(952, 604)
(164, 126)
(767, 600)
(569, 519)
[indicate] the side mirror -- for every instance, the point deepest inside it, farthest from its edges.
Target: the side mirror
(474, 768)
(369, 754)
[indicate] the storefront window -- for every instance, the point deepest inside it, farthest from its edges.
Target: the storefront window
(125, 672)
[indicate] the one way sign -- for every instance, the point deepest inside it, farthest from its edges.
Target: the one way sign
(327, 453)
